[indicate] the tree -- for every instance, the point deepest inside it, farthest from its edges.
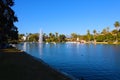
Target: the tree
(34, 37)
(44, 37)
(114, 31)
(50, 34)
(100, 38)
(88, 35)
(51, 37)
(94, 31)
(118, 36)
(74, 36)
(117, 25)
(108, 29)
(56, 34)
(8, 31)
(109, 37)
(56, 37)
(20, 37)
(62, 38)
(104, 31)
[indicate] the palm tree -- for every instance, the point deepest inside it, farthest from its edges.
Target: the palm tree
(50, 35)
(62, 38)
(94, 31)
(56, 37)
(74, 36)
(88, 35)
(117, 25)
(56, 34)
(104, 31)
(108, 29)
(44, 37)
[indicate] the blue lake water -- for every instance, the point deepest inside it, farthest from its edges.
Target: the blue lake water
(92, 62)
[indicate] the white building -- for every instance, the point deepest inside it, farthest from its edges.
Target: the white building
(24, 38)
(77, 39)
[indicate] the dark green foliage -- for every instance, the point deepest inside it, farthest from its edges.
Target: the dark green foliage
(8, 31)
(118, 35)
(114, 31)
(117, 25)
(33, 37)
(109, 37)
(88, 35)
(62, 38)
(110, 42)
(46, 38)
(74, 36)
(100, 38)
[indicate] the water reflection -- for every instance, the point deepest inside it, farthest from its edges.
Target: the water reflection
(24, 46)
(40, 49)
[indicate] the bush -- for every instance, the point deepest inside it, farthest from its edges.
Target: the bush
(110, 42)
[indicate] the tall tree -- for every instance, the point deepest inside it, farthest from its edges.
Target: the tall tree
(56, 34)
(108, 29)
(56, 37)
(62, 38)
(34, 37)
(88, 35)
(44, 37)
(50, 35)
(94, 31)
(104, 31)
(8, 31)
(74, 36)
(117, 25)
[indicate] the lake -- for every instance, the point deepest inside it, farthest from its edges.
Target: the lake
(92, 62)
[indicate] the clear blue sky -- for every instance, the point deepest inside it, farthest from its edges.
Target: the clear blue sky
(66, 16)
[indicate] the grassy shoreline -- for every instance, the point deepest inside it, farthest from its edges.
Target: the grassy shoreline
(112, 43)
(18, 65)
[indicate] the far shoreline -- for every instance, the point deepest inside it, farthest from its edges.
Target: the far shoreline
(107, 43)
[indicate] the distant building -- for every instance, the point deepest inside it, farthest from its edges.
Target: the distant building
(77, 39)
(24, 38)
(83, 41)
